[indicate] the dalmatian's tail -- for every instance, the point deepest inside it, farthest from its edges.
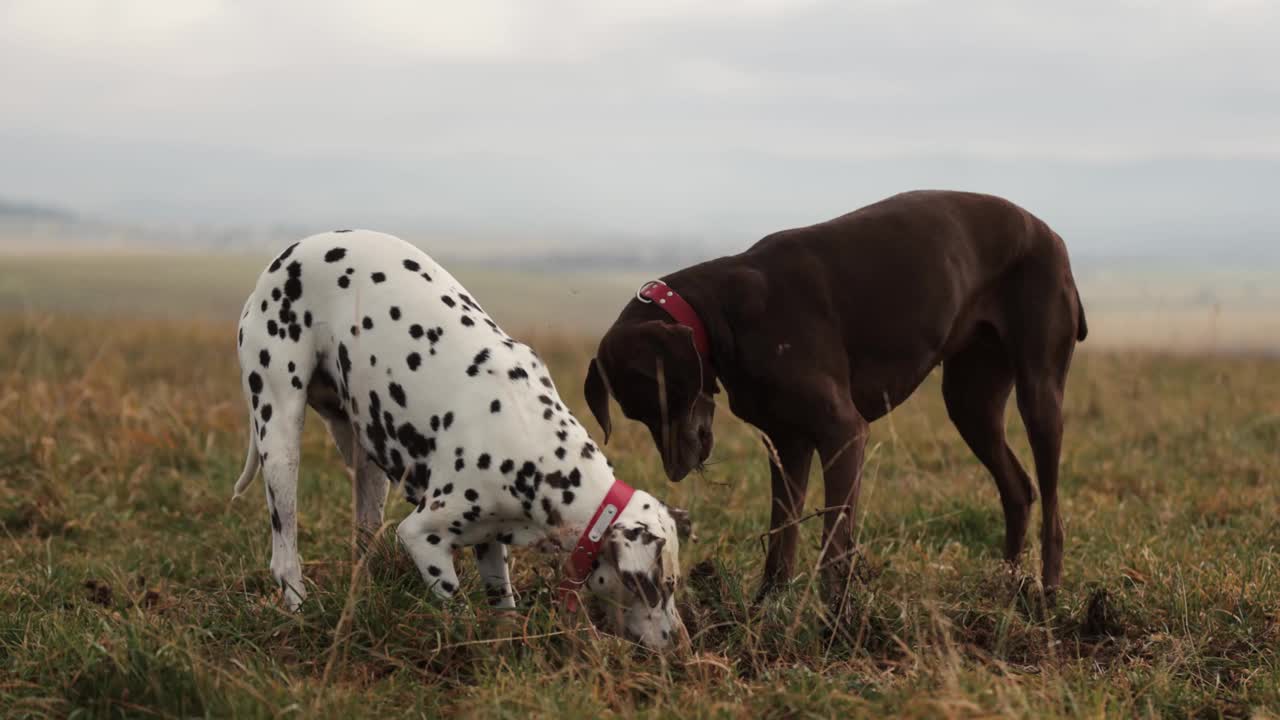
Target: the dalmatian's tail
(251, 463)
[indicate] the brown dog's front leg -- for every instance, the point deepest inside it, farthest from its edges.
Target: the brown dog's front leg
(842, 453)
(789, 458)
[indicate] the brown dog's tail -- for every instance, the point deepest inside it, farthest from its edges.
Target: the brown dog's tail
(1082, 327)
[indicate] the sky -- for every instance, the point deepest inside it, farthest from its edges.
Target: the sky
(1124, 123)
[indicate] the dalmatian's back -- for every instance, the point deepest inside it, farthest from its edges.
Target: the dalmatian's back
(383, 338)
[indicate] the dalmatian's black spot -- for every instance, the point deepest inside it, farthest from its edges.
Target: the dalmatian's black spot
(415, 331)
(306, 318)
(355, 331)
(418, 445)
(264, 357)
(588, 450)
(560, 453)
(575, 477)
(547, 415)
(367, 323)
(495, 406)
(413, 360)
(459, 464)
(426, 277)
(544, 399)
(506, 467)
(481, 358)
(292, 366)
(447, 489)
(295, 332)
(293, 286)
(435, 423)
(448, 419)
(255, 383)
(373, 361)
(296, 382)
(467, 321)
(264, 306)
(567, 497)
(411, 265)
(395, 313)
(344, 282)
(483, 461)
(335, 255)
(272, 328)
(240, 337)
(420, 479)
(447, 300)
(266, 413)
(433, 539)
(562, 435)
(275, 265)
(471, 495)
(433, 571)
(378, 277)
(553, 515)
(344, 367)
(275, 294)
(546, 382)
(517, 373)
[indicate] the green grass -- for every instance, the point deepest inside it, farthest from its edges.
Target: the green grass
(130, 586)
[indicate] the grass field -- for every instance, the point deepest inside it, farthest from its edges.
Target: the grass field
(131, 586)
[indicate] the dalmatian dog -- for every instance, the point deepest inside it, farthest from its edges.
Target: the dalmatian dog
(408, 371)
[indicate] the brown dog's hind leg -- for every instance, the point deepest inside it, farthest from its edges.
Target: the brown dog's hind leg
(976, 382)
(790, 481)
(1042, 356)
(1040, 403)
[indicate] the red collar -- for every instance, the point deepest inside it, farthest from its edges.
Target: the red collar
(658, 292)
(588, 547)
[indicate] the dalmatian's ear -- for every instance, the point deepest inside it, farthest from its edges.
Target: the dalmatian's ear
(637, 555)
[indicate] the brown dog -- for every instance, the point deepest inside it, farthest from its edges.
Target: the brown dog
(816, 332)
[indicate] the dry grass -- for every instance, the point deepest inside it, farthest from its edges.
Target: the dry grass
(130, 586)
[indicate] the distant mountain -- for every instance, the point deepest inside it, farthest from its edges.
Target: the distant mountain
(19, 211)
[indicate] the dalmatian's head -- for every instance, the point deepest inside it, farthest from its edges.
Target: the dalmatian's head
(639, 571)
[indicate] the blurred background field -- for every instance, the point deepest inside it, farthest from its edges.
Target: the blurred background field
(1155, 307)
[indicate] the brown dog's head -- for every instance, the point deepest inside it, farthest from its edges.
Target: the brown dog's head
(653, 370)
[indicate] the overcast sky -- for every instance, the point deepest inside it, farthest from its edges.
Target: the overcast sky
(708, 120)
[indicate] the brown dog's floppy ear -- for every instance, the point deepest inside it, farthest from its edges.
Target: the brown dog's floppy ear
(684, 525)
(597, 392)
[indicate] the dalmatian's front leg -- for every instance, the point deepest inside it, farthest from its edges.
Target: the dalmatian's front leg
(431, 549)
(491, 557)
